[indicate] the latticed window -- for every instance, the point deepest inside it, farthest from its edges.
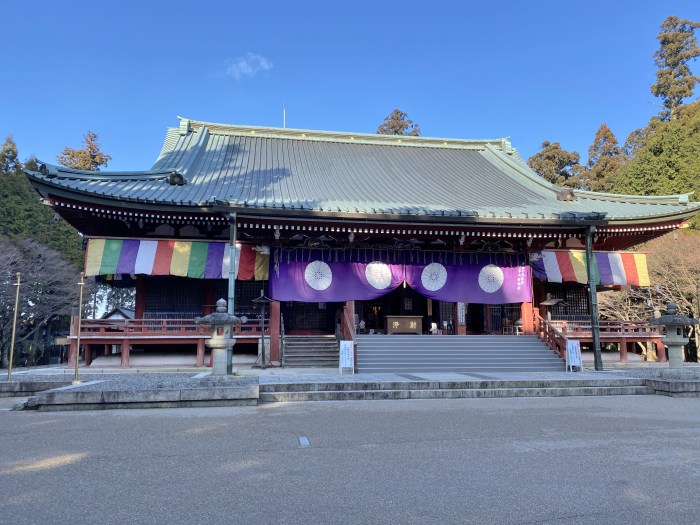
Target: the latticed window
(245, 292)
(172, 298)
(574, 305)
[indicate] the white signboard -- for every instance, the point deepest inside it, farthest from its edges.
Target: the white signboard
(461, 314)
(573, 355)
(346, 363)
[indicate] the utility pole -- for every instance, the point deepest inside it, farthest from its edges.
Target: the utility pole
(14, 331)
(593, 298)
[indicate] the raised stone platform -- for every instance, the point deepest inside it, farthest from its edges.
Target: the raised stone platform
(148, 391)
(28, 387)
(416, 389)
(190, 389)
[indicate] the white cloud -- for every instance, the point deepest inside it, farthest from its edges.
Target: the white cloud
(248, 66)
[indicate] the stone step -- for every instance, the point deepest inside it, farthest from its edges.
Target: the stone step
(458, 350)
(302, 338)
(449, 339)
(312, 348)
(311, 351)
(407, 353)
(483, 368)
(357, 395)
(308, 350)
(311, 344)
(451, 384)
(436, 354)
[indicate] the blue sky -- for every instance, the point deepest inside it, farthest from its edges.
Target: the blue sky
(533, 71)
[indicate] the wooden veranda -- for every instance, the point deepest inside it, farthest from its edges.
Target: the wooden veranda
(625, 334)
(127, 332)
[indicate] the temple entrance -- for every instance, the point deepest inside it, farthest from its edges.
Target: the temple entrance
(431, 315)
(495, 319)
(475, 319)
(309, 318)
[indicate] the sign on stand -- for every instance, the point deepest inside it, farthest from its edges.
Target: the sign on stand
(461, 314)
(346, 363)
(573, 355)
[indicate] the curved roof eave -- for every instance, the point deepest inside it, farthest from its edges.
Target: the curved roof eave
(525, 171)
(471, 182)
(46, 189)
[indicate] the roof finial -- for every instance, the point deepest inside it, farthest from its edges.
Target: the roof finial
(184, 126)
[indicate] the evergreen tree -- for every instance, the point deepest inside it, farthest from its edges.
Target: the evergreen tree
(604, 161)
(669, 160)
(638, 138)
(88, 158)
(555, 164)
(398, 123)
(9, 158)
(22, 215)
(674, 80)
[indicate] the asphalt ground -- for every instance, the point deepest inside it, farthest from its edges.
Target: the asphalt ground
(628, 459)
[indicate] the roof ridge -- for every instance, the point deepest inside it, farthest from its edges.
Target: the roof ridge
(341, 136)
(680, 198)
(524, 169)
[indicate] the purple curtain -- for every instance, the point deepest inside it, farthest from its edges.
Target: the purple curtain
(479, 281)
(317, 281)
(335, 275)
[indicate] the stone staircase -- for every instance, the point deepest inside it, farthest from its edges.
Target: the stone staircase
(424, 389)
(310, 350)
(470, 353)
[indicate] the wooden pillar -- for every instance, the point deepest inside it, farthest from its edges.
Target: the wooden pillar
(88, 355)
(527, 316)
(536, 323)
(350, 316)
(200, 352)
(275, 327)
(622, 345)
(125, 353)
(488, 318)
(660, 351)
(354, 359)
(140, 299)
(209, 301)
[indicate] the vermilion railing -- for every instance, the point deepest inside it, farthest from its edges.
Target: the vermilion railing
(614, 328)
(555, 333)
(125, 328)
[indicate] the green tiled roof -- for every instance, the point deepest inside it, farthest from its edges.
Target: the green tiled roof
(351, 174)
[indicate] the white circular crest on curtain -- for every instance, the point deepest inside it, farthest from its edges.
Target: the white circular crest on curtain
(378, 275)
(318, 275)
(490, 278)
(433, 277)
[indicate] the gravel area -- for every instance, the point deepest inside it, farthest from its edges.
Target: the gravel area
(126, 382)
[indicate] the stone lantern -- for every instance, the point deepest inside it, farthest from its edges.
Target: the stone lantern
(675, 333)
(220, 341)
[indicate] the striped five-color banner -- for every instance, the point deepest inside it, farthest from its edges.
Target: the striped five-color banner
(199, 260)
(611, 268)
